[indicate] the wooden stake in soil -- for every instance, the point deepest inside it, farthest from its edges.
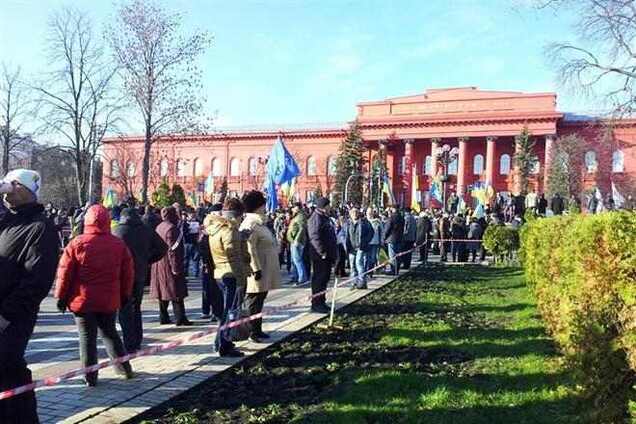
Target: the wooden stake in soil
(333, 301)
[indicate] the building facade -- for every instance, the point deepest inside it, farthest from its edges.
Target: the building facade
(480, 124)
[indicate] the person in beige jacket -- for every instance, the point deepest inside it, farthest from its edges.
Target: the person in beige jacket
(231, 260)
(263, 250)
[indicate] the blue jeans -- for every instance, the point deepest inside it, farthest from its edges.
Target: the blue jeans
(300, 271)
(394, 249)
(232, 298)
(191, 256)
(372, 260)
(359, 265)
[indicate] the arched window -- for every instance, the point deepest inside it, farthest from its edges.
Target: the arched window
(331, 165)
(618, 161)
(181, 169)
(311, 166)
(504, 164)
(197, 169)
(590, 161)
(216, 167)
(235, 167)
(452, 167)
(163, 167)
(114, 168)
(402, 165)
(428, 165)
(131, 169)
(536, 167)
(252, 164)
(478, 165)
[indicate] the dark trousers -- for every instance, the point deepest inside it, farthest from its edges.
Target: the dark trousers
(21, 409)
(87, 325)
(407, 257)
(444, 247)
(178, 307)
(254, 303)
(424, 248)
(319, 280)
(131, 321)
(232, 298)
(211, 296)
(191, 258)
(457, 248)
(341, 262)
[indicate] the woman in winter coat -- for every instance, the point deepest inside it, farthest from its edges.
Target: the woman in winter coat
(94, 280)
(167, 281)
(263, 250)
(231, 267)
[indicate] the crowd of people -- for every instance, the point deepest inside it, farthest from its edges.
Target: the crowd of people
(101, 261)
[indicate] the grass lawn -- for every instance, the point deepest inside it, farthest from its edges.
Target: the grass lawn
(507, 371)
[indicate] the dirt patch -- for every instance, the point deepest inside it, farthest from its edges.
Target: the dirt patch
(296, 374)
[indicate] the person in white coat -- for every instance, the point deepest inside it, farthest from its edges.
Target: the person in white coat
(264, 263)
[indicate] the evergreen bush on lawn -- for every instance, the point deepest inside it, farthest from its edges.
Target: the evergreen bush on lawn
(501, 241)
(583, 272)
(161, 197)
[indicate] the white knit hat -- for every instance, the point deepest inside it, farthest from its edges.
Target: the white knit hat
(28, 178)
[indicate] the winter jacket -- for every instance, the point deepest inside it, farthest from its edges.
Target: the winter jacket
(557, 205)
(378, 232)
(297, 231)
(458, 229)
(394, 229)
(263, 251)
(322, 236)
(167, 277)
(410, 228)
(151, 220)
(359, 235)
(96, 271)
(475, 231)
(423, 229)
(228, 248)
(144, 244)
(28, 257)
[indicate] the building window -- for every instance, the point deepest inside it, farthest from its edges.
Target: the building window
(216, 167)
(478, 165)
(163, 167)
(428, 165)
(452, 167)
(131, 169)
(235, 167)
(311, 166)
(618, 161)
(181, 170)
(504, 164)
(310, 196)
(331, 165)
(114, 168)
(253, 166)
(590, 161)
(196, 168)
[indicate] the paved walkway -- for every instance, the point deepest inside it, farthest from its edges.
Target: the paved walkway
(54, 349)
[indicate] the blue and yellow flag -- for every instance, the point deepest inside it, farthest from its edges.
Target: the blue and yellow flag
(386, 189)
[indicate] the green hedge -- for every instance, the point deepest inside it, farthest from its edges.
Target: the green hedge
(502, 241)
(583, 271)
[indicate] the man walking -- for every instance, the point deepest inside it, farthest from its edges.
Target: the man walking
(146, 248)
(297, 237)
(322, 242)
(393, 234)
(28, 259)
(410, 235)
(359, 235)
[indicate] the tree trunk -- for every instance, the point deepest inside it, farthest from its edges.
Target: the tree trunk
(78, 181)
(5, 156)
(145, 173)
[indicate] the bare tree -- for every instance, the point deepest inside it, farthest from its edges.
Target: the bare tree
(603, 60)
(158, 66)
(16, 108)
(76, 94)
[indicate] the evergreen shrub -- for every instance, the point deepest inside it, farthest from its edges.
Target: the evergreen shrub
(502, 241)
(582, 269)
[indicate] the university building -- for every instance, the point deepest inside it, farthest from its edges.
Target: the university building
(480, 124)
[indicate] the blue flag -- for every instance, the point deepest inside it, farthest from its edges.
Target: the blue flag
(435, 190)
(272, 198)
(281, 166)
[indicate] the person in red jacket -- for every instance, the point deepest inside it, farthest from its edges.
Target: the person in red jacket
(94, 280)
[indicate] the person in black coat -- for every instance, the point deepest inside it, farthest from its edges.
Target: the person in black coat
(393, 235)
(542, 205)
(557, 204)
(424, 227)
(28, 261)
(146, 248)
(322, 242)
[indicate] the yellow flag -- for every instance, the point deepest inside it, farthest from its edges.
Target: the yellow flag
(415, 186)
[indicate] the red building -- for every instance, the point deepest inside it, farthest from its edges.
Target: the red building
(481, 124)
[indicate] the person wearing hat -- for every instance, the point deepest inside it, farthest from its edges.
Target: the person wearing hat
(263, 250)
(323, 248)
(28, 259)
(231, 268)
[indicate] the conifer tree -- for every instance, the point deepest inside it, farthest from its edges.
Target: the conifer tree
(178, 195)
(525, 158)
(350, 161)
(161, 197)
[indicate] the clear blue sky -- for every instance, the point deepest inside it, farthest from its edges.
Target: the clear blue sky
(302, 61)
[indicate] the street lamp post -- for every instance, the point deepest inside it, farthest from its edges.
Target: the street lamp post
(446, 156)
